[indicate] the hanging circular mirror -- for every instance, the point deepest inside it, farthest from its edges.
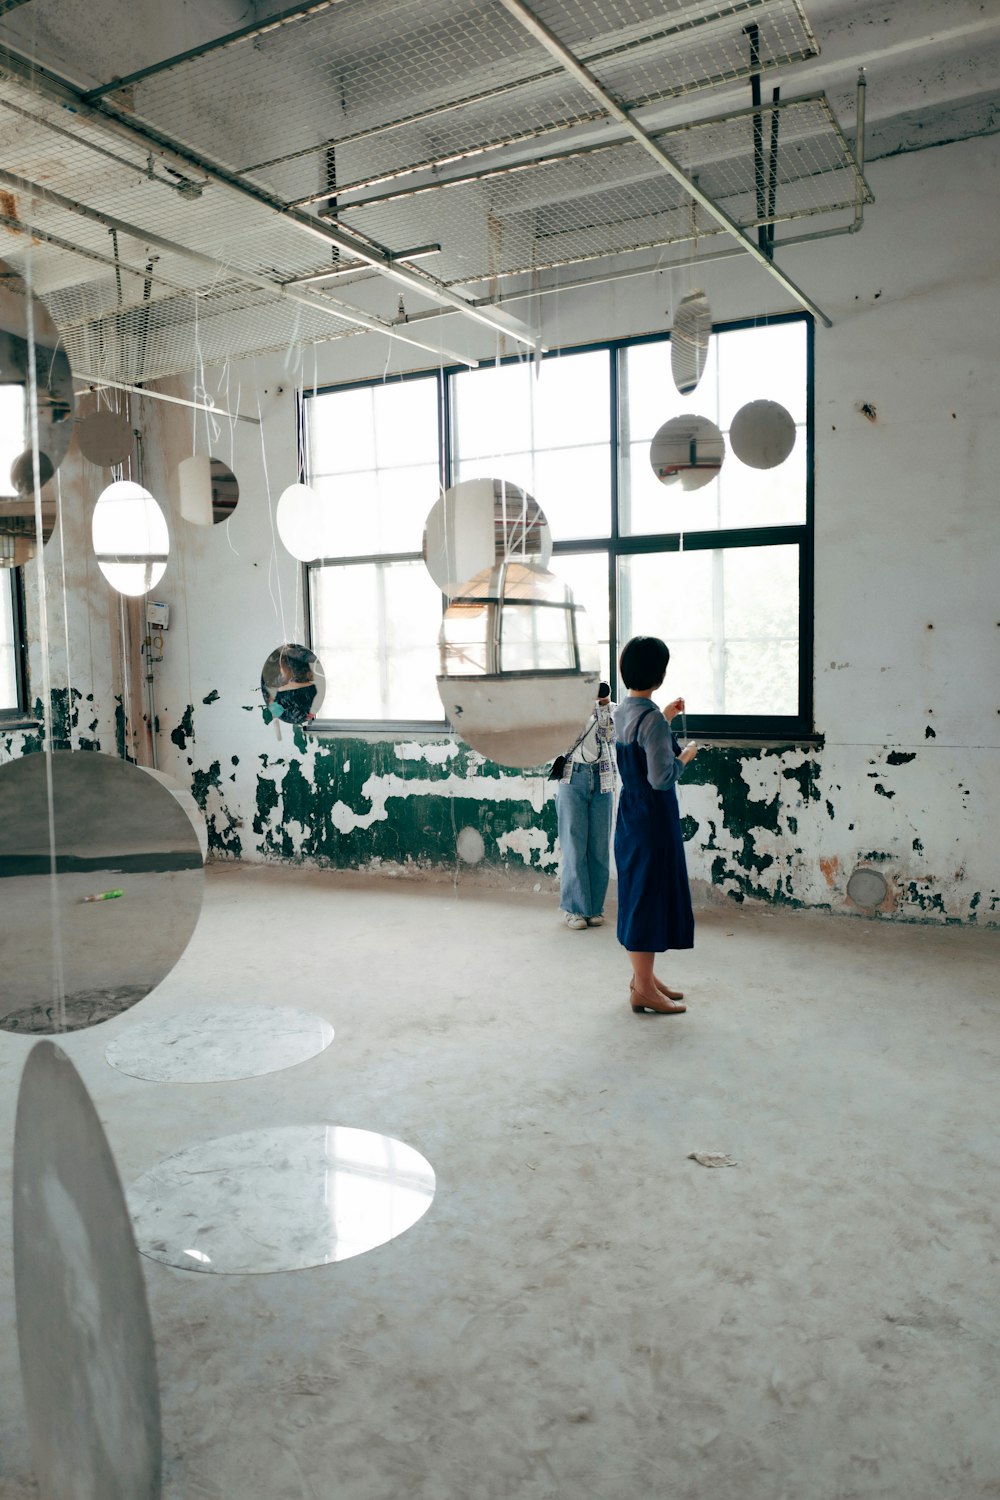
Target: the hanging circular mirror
(207, 489)
(293, 684)
(480, 523)
(519, 667)
(105, 437)
(100, 901)
(688, 451)
(88, 1360)
(130, 538)
(689, 336)
(53, 413)
(298, 520)
(762, 434)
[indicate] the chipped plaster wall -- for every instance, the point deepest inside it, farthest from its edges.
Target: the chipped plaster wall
(907, 779)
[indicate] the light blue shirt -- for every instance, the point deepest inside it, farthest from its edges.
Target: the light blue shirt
(639, 720)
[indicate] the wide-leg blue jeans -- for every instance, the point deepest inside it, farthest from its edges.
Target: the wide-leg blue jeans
(584, 814)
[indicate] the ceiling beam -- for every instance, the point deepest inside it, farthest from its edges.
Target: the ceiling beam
(345, 312)
(577, 70)
(43, 80)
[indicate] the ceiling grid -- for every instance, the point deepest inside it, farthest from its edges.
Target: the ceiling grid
(235, 197)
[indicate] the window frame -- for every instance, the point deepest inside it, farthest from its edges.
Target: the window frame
(17, 714)
(742, 728)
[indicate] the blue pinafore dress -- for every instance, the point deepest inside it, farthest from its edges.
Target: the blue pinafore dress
(654, 899)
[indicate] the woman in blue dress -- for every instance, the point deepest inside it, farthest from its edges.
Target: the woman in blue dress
(654, 901)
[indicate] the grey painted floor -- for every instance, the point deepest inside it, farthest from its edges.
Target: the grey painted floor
(584, 1311)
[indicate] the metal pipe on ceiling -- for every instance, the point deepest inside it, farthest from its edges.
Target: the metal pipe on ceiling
(43, 80)
(333, 308)
(93, 382)
(552, 44)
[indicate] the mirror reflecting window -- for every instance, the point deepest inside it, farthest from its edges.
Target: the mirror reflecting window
(293, 684)
(479, 524)
(518, 665)
(130, 538)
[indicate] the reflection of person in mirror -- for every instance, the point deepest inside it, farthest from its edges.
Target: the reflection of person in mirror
(654, 901)
(584, 802)
(295, 691)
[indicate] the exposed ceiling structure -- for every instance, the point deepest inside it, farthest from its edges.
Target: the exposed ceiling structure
(190, 182)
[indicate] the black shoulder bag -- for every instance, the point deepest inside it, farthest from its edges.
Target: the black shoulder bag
(559, 764)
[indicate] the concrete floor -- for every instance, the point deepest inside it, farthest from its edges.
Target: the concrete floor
(584, 1311)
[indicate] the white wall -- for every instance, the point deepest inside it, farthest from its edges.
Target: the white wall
(907, 682)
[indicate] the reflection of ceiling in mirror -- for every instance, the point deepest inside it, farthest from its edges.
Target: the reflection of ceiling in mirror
(689, 449)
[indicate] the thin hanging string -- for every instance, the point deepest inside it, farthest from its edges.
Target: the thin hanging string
(65, 608)
(58, 973)
(273, 570)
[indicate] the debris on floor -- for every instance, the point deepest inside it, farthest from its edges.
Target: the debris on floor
(712, 1159)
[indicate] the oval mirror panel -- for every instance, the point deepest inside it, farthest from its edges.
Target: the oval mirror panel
(687, 451)
(130, 537)
(479, 524)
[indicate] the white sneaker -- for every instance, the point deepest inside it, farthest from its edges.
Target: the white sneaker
(597, 921)
(575, 921)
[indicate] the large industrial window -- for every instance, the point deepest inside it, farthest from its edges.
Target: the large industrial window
(723, 573)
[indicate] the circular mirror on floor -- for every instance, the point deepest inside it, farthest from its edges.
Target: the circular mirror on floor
(219, 1044)
(130, 537)
(99, 900)
(481, 523)
(293, 684)
(688, 451)
(762, 434)
(519, 666)
(88, 1361)
(279, 1199)
(27, 333)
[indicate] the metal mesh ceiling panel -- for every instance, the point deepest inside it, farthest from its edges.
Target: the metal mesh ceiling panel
(585, 204)
(180, 215)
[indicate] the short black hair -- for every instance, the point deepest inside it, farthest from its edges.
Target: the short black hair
(643, 662)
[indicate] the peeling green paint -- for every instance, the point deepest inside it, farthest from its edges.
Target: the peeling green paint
(829, 809)
(806, 775)
(918, 847)
(689, 827)
(900, 757)
(880, 789)
(185, 729)
(213, 696)
(120, 727)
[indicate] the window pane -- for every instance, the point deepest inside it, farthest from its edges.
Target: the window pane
(375, 629)
(587, 575)
(730, 618)
(745, 364)
(8, 675)
(381, 511)
(546, 427)
(373, 426)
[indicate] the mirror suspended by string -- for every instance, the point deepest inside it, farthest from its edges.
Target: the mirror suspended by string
(208, 490)
(131, 542)
(519, 666)
(104, 436)
(50, 412)
(293, 684)
(123, 866)
(762, 434)
(687, 450)
(479, 524)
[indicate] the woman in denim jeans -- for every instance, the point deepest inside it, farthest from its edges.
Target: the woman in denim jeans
(584, 803)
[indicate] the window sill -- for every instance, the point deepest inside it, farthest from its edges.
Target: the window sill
(16, 723)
